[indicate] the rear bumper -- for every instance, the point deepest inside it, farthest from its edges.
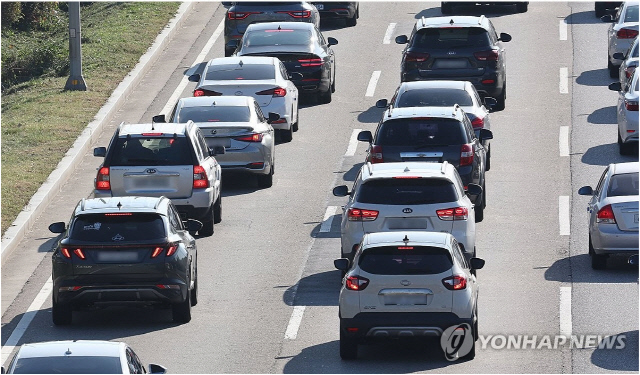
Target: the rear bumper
(608, 239)
(492, 90)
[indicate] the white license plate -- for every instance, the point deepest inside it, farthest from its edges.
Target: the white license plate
(320, 6)
(224, 142)
(405, 299)
(117, 256)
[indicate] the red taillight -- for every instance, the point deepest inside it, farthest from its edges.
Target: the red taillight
(256, 137)
(310, 62)
(375, 155)
(356, 283)
(416, 57)
(203, 92)
(357, 214)
(628, 72)
(156, 251)
(631, 105)
(298, 13)
(627, 34)
(456, 213)
(478, 123)
(491, 55)
(488, 81)
(200, 179)
(466, 155)
(65, 252)
(240, 15)
(276, 92)
(605, 215)
(171, 249)
(102, 180)
(79, 253)
(455, 282)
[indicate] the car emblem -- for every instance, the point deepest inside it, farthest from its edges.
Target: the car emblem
(238, 93)
(451, 53)
(407, 210)
(117, 237)
(405, 282)
(214, 131)
(151, 170)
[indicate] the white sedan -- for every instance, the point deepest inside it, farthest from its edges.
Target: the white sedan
(263, 78)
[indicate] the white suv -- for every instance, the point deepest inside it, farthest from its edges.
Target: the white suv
(417, 196)
(407, 284)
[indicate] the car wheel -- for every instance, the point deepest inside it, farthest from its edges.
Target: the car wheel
(286, 135)
(208, 225)
(353, 20)
(501, 99)
(325, 97)
(182, 311)
(472, 352)
(613, 70)
(480, 207)
(194, 291)
(624, 148)
(488, 164)
(598, 261)
(61, 313)
(333, 84)
(228, 52)
(217, 211)
(348, 347)
(266, 180)
(446, 8)
(522, 7)
(294, 126)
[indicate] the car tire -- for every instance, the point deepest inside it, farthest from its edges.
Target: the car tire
(446, 7)
(61, 313)
(353, 20)
(598, 261)
(480, 207)
(613, 70)
(488, 165)
(333, 84)
(325, 97)
(228, 53)
(217, 211)
(472, 352)
(624, 148)
(208, 225)
(294, 126)
(266, 180)
(194, 291)
(286, 135)
(182, 311)
(348, 347)
(501, 99)
(522, 7)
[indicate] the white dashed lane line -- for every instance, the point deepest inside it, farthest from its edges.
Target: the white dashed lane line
(325, 227)
(371, 89)
(565, 311)
(562, 28)
(389, 33)
(564, 214)
(353, 143)
(294, 323)
(564, 141)
(564, 81)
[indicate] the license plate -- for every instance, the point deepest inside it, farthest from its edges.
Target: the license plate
(319, 6)
(405, 299)
(224, 142)
(117, 256)
(451, 63)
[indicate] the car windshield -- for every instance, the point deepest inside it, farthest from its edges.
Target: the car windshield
(276, 37)
(451, 37)
(247, 72)
(421, 132)
(407, 191)
(119, 226)
(405, 260)
(631, 14)
(68, 365)
(623, 185)
(136, 151)
(214, 114)
(435, 97)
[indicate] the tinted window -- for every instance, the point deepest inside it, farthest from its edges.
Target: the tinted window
(421, 132)
(276, 37)
(214, 114)
(151, 151)
(451, 37)
(414, 260)
(403, 191)
(103, 228)
(434, 98)
(281, 4)
(632, 14)
(235, 72)
(623, 184)
(68, 365)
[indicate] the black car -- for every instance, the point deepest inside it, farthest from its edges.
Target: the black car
(446, 7)
(432, 134)
(463, 48)
(124, 250)
(303, 50)
(347, 10)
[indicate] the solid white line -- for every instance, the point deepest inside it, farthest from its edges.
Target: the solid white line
(353, 143)
(375, 76)
(564, 141)
(328, 219)
(28, 316)
(294, 323)
(565, 311)
(389, 33)
(563, 29)
(564, 215)
(564, 80)
(185, 79)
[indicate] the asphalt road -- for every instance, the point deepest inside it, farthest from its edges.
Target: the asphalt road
(269, 265)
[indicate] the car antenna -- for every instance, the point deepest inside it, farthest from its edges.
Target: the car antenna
(406, 239)
(279, 28)
(119, 205)
(241, 63)
(451, 22)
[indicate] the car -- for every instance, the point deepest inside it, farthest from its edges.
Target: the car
(463, 48)
(432, 134)
(602, 7)
(447, 7)
(303, 50)
(347, 10)
(241, 14)
(237, 124)
(413, 196)
(264, 78)
(627, 110)
(407, 285)
(613, 213)
(442, 94)
(623, 29)
(171, 160)
(79, 357)
(124, 250)
(629, 63)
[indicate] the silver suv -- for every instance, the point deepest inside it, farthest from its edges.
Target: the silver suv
(415, 196)
(407, 284)
(171, 160)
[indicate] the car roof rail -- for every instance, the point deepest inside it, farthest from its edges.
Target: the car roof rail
(443, 168)
(82, 201)
(155, 207)
(456, 107)
(481, 19)
(370, 168)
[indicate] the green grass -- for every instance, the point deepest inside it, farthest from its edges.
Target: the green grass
(40, 121)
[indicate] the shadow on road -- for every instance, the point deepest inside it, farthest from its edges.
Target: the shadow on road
(596, 77)
(584, 18)
(617, 271)
(371, 115)
(625, 359)
(320, 289)
(605, 154)
(606, 115)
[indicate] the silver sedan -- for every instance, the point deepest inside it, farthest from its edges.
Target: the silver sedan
(613, 213)
(621, 33)
(627, 115)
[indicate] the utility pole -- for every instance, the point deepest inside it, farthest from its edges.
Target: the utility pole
(75, 81)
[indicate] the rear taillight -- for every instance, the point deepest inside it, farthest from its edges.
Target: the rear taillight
(310, 62)
(356, 283)
(102, 180)
(456, 213)
(375, 155)
(357, 214)
(478, 123)
(455, 282)
(631, 105)
(627, 33)
(297, 13)
(605, 215)
(171, 249)
(203, 92)
(65, 252)
(466, 155)
(79, 253)
(491, 55)
(628, 72)
(240, 15)
(416, 57)
(255, 137)
(200, 179)
(276, 92)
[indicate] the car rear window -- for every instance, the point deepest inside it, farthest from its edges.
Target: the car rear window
(281, 4)
(136, 151)
(632, 14)
(68, 365)
(214, 114)
(421, 132)
(446, 37)
(276, 37)
(118, 227)
(407, 191)
(436, 97)
(405, 260)
(235, 72)
(623, 185)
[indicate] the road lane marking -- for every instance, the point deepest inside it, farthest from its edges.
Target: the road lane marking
(28, 316)
(294, 323)
(564, 141)
(564, 215)
(564, 80)
(328, 219)
(565, 311)
(563, 29)
(371, 89)
(353, 143)
(185, 79)
(389, 33)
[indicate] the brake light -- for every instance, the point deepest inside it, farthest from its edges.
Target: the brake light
(356, 283)
(119, 214)
(416, 57)
(203, 92)
(628, 72)
(491, 55)
(405, 247)
(240, 15)
(297, 13)
(357, 214)
(310, 62)
(631, 105)
(455, 282)
(65, 252)
(102, 180)
(152, 134)
(375, 155)
(627, 33)
(478, 123)
(605, 215)
(79, 253)
(407, 177)
(466, 155)
(450, 214)
(200, 179)
(256, 137)
(276, 92)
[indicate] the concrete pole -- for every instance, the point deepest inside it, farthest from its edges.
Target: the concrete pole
(75, 81)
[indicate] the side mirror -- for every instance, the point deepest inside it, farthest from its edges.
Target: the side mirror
(159, 118)
(382, 103)
(504, 37)
(618, 56)
(273, 117)
(365, 136)
(192, 225)
(341, 191)
(194, 78)
(216, 150)
(476, 263)
(633, 260)
(485, 134)
(58, 227)
(490, 102)
(402, 39)
(296, 75)
(332, 41)
(607, 18)
(473, 191)
(100, 151)
(615, 86)
(585, 190)
(342, 264)
(157, 369)
(233, 44)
